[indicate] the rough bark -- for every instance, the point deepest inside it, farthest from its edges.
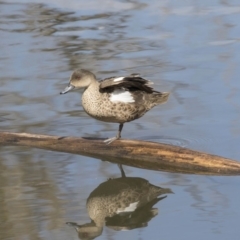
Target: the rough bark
(141, 154)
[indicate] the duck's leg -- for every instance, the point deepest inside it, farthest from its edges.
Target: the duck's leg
(119, 130)
(122, 171)
(118, 136)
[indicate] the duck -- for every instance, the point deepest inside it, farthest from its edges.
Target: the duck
(115, 99)
(121, 203)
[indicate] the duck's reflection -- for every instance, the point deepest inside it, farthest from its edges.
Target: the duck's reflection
(121, 204)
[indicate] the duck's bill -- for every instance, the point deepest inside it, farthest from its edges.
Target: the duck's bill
(67, 89)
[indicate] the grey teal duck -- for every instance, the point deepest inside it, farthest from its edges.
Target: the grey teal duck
(120, 203)
(115, 99)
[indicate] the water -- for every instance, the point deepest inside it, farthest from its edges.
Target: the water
(188, 48)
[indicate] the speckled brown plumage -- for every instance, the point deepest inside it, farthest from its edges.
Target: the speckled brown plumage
(115, 99)
(118, 203)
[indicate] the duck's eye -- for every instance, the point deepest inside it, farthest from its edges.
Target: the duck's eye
(77, 76)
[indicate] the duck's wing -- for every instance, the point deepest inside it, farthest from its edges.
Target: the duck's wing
(133, 83)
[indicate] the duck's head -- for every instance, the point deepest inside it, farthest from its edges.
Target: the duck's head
(87, 231)
(80, 78)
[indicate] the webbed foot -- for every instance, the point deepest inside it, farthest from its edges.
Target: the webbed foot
(110, 140)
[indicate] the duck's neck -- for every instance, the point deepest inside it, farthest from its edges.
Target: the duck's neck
(91, 98)
(92, 88)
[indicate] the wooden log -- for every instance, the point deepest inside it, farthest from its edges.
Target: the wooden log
(141, 154)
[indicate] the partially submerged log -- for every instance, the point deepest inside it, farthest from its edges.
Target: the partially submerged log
(141, 154)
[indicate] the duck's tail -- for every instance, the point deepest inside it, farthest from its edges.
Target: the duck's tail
(161, 97)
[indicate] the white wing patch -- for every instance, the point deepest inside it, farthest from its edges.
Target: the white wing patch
(131, 208)
(121, 95)
(118, 79)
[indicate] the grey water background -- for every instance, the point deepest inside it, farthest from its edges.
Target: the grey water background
(190, 48)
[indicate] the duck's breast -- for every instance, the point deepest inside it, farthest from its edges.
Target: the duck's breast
(117, 106)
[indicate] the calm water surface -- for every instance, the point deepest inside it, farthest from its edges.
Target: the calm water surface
(189, 48)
